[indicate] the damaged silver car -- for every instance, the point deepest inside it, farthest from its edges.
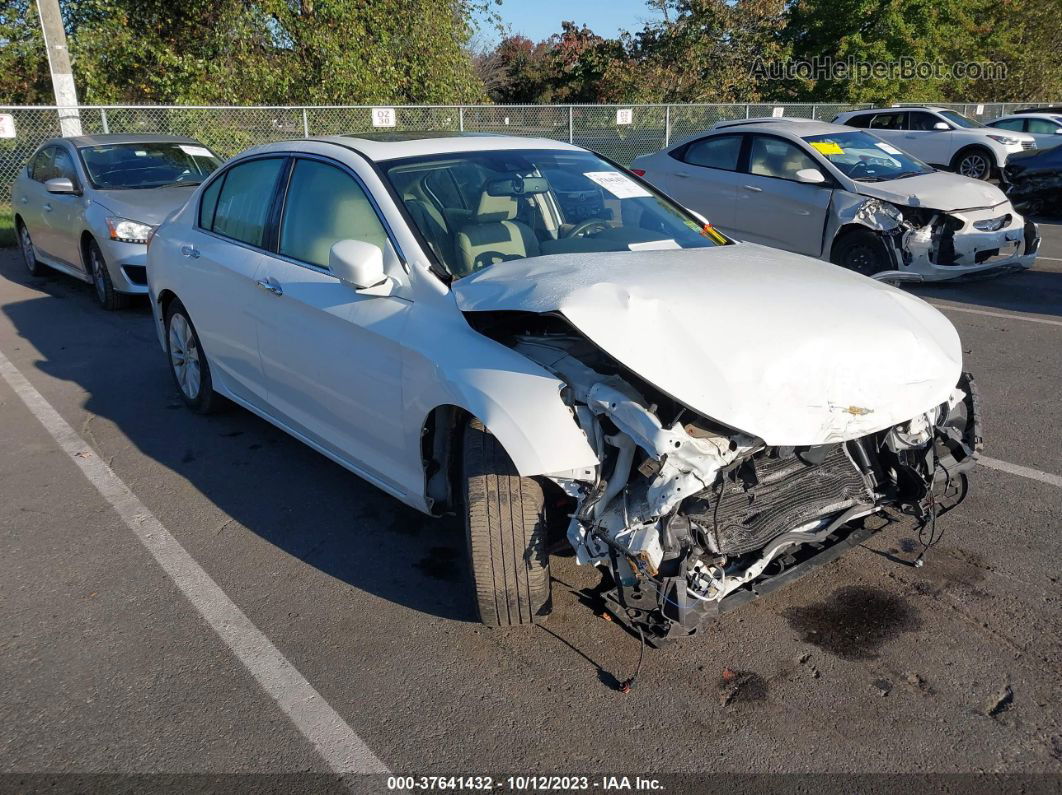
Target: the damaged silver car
(845, 196)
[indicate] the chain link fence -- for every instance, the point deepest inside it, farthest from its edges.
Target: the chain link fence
(619, 132)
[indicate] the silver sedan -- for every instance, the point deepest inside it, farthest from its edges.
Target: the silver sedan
(87, 205)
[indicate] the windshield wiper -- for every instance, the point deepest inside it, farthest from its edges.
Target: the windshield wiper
(869, 179)
(177, 184)
(904, 174)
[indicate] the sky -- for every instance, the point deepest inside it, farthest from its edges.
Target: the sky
(537, 19)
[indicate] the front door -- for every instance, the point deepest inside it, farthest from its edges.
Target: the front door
(331, 356)
(926, 142)
(775, 209)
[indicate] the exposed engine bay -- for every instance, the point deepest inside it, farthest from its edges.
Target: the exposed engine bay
(690, 518)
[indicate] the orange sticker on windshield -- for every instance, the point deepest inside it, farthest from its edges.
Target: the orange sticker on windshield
(709, 232)
(827, 148)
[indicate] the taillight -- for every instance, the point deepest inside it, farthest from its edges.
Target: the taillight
(638, 172)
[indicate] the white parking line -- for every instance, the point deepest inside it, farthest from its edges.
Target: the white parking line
(1010, 315)
(334, 740)
(1017, 469)
(1051, 259)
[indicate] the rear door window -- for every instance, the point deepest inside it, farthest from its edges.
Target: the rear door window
(888, 121)
(720, 151)
(242, 210)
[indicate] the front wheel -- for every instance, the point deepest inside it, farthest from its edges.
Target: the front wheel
(188, 363)
(109, 298)
(861, 251)
(505, 520)
(973, 163)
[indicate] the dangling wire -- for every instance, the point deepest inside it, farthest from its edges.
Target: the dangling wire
(628, 685)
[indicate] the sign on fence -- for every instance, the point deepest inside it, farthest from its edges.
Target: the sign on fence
(7, 125)
(625, 116)
(383, 117)
(777, 113)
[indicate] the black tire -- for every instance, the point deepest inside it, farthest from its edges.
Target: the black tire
(505, 520)
(182, 344)
(975, 162)
(109, 298)
(29, 253)
(862, 251)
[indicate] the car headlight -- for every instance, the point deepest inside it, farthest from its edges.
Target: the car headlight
(127, 231)
(1006, 140)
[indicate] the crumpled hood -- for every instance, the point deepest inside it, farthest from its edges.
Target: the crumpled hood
(938, 190)
(147, 205)
(778, 345)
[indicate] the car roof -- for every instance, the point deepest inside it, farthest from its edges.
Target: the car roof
(795, 127)
(1030, 115)
(379, 147)
(762, 120)
(893, 109)
(126, 138)
(393, 146)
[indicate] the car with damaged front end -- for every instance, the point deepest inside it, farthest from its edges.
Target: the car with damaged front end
(846, 196)
(700, 419)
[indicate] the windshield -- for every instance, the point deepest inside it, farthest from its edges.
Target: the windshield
(148, 165)
(959, 119)
(476, 209)
(865, 157)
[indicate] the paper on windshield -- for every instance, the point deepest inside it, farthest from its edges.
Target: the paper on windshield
(889, 148)
(654, 245)
(618, 185)
(827, 148)
(195, 151)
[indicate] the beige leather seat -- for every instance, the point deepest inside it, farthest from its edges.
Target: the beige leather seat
(494, 235)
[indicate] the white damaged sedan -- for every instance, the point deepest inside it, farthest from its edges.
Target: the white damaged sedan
(517, 331)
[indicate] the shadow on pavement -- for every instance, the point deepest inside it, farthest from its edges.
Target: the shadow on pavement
(263, 479)
(1033, 291)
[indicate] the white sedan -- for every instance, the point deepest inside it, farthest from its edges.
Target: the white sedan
(702, 419)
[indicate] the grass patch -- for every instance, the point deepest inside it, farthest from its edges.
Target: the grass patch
(7, 227)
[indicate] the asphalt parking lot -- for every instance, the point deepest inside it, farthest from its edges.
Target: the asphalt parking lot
(867, 665)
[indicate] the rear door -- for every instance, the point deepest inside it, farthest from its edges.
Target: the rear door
(331, 356)
(890, 126)
(703, 176)
(775, 209)
(224, 255)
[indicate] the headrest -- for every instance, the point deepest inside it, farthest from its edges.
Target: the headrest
(493, 209)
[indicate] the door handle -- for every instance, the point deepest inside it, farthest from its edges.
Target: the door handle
(48, 207)
(753, 188)
(24, 200)
(190, 251)
(272, 285)
(680, 175)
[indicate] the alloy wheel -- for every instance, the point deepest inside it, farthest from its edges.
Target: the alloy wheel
(96, 266)
(184, 356)
(974, 166)
(29, 253)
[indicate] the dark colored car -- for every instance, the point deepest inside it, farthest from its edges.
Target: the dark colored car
(1033, 181)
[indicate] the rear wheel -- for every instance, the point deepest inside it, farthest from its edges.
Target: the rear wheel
(109, 298)
(505, 519)
(188, 363)
(861, 251)
(29, 253)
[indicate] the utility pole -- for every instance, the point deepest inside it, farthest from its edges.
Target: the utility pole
(59, 66)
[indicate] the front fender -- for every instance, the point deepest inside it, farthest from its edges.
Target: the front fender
(517, 400)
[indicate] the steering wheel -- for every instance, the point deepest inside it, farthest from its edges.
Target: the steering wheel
(584, 228)
(861, 167)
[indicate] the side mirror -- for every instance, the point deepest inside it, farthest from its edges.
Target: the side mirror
(1058, 130)
(60, 185)
(812, 176)
(360, 265)
(941, 125)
